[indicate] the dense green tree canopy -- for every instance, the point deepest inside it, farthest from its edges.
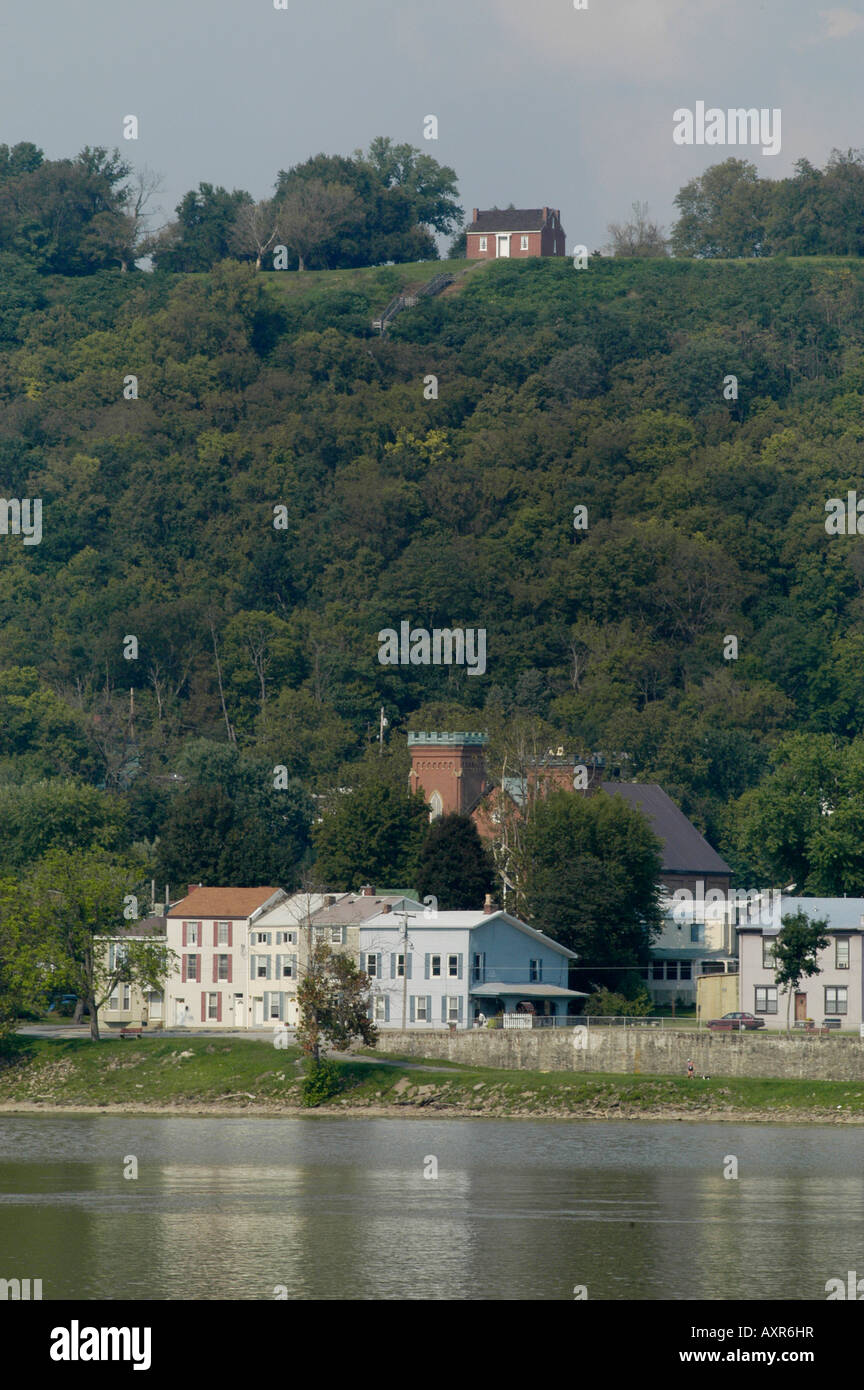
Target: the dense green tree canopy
(454, 867)
(589, 876)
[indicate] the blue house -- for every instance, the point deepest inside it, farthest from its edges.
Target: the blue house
(433, 969)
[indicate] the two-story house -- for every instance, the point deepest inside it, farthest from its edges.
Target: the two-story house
(283, 936)
(835, 993)
(129, 1004)
(432, 969)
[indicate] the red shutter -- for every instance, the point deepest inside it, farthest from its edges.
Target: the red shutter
(198, 974)
(230, 972)
(185, 958)
(215, 968)
(184, 933)
(230, 942)
(215, 933)
(219, 1008)
(203, 1007)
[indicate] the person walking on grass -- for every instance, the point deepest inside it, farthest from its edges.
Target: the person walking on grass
(690, 1071)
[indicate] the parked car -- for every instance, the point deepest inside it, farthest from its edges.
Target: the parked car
(737, 1021)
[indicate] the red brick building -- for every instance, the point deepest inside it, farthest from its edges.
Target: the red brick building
(516, 232)
(450, 770)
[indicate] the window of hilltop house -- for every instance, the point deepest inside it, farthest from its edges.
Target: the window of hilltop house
(113, 1002)
(127, 997)
(835, 999)
(261, 968)
(371, 965)
(482, 243)
(697, 934)
(192, 934)
(671, 970)
(380, 1009)
(420, 1008)
(400, 966)
(453, 967)
(768, 944)
(534, 971)
(213, 1006)
(436, 965)
(686, 968)
(766, 999)
(524, 243)
(657, 970)
(452, 1009)
(335, 936)
(222, 972)
(222, 933)
(841, 953)
(191, 967)
(276, 1006)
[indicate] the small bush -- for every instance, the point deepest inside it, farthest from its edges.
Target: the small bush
(321, 1082)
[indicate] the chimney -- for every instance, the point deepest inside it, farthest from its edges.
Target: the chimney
(193, 886)
(545, 214)
(387, 907)
(475, 214)
(489, 906)
(367, 891)
(329, 899)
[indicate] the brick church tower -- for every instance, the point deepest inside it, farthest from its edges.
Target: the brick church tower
(449, 769)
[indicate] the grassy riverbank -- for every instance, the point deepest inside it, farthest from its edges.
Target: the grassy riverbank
(225, 1076)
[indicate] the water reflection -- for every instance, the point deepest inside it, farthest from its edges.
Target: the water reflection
(340, 1208)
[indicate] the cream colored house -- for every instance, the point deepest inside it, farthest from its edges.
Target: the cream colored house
(129, 1005)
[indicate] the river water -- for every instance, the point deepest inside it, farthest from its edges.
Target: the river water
(341, 1208)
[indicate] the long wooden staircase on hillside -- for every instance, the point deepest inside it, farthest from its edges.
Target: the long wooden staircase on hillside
(406, 299)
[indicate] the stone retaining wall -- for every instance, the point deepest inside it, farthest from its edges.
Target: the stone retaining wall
(651, 1051)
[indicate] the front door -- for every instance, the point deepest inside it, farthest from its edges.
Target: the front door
(239, 1020)
(504, 245)
(800, 1007)
(179, 1011)
(155, 1001)
(258, 1013)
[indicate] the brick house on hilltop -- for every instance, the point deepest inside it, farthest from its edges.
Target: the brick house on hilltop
(502, 232)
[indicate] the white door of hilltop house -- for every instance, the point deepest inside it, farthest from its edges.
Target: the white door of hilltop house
(239, 1017)
(504, 245)
(155, 1002)
(179, 1011)
(258, 1013)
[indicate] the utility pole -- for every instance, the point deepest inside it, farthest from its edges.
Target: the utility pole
(404, 970)
(383, 723)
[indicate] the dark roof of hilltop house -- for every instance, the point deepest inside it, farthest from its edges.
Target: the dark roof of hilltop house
(511, 220)
(685, 851)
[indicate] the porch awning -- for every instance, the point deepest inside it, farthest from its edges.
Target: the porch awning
(526, 991)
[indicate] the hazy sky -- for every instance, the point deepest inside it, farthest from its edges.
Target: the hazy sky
(537, 102)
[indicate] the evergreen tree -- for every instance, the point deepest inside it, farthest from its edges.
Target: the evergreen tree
(455, 867)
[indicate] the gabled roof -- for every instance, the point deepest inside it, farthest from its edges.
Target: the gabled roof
(511, 220)
(464, 921)
(223, 902)
(685, 851)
